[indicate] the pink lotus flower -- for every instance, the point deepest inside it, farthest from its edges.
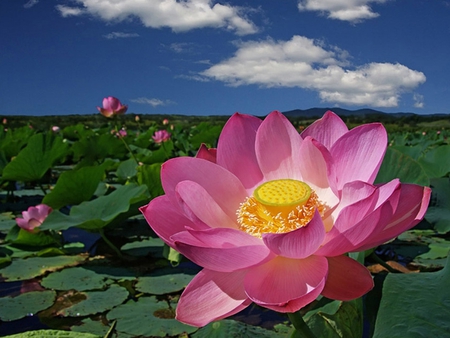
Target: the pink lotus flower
(165, 122)
(33, 217)
(161, 136)
(112, 106)
(56, 129)
(272, 215)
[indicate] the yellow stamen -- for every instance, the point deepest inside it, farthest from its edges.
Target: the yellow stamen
(278, 206)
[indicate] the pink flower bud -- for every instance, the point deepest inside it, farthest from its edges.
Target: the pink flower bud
(33, 217)
(161, 136)
(111, 107)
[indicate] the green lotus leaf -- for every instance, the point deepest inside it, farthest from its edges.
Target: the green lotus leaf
(415, 305)
(96, 302)
(160, 285)
(231, 328)
(26, 304)
(98, 213)
(23, 269)
(53, 334)
(147, 317)
(40, 154)
(74, 187)
(436, 161)
(402, 166)
(77, 278)
(150, 175)
(144, 248)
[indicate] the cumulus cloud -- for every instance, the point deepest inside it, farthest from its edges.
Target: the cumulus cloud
(178, 15)
(346, 10)
(30, 3)
(120, 35)
(153, 102)
(309, 64)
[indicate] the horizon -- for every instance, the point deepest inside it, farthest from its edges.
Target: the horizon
(215, 58)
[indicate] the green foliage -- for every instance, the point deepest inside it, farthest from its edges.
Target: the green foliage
(415, 305)
(100, 212)
(76, 278)
(157, 316)
(24, 269)
(13, 308)
(75, 186)
(231, 328)
(40, 154)
(165, 283)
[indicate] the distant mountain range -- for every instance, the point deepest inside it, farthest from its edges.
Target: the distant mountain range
(318, 112)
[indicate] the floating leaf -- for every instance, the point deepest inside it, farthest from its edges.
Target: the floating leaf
(147, 317)
(96, 327)
(98, 213)
(13, 308)
(41, 152)
(96, 302)
(24, 269)
(52, 334)
(74, 187)
(144, 248)
(437, 250)
(415, 305)
(160, 285)
(78, 278)
(399, 165)
(231, 328)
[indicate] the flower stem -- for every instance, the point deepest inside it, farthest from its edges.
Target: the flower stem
(300, 325)
(378, 260)
(126, 145)
(109, 243)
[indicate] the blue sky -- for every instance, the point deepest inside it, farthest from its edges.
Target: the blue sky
(200, 57)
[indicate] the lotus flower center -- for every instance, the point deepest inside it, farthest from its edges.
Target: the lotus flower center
(278, 206)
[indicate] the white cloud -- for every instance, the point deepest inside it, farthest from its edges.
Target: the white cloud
(181, 47)
(69, 11)
(30, 3)
(346, 10)
(178, 15)
(418, 101)
(120, 35)
(152, 102)
(306, 63)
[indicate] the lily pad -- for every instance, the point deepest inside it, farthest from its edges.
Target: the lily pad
(13, 308)
(144, 248)
(231, 328)
(24, 269)
(53, 334)
(415, 305)
(77, 278)
(147, 317)
(160, 285)
(96, 302)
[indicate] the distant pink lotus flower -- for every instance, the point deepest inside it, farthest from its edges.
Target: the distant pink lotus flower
(271, 216)
(56, 129)
(112, 106)
(161, 136)
(33, 217)
(165, 122)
